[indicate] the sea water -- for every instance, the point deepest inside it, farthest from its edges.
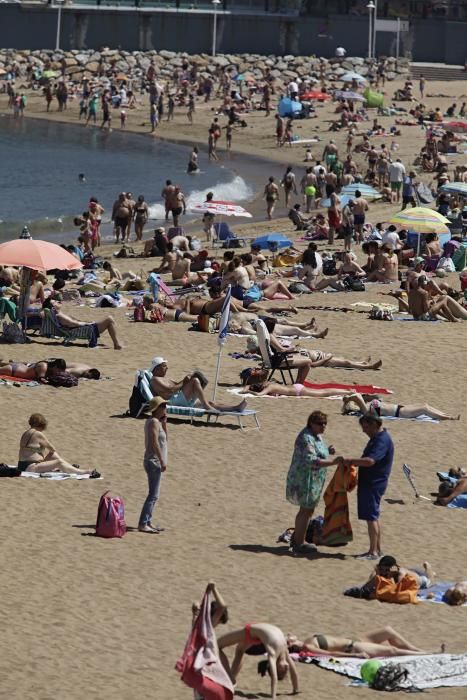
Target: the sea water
(40, 165)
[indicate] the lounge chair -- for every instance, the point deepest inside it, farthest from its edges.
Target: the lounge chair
(143, 382)
(226, 238)
(272, 361)
(51, 328)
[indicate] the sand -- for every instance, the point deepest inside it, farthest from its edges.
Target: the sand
(90, 618)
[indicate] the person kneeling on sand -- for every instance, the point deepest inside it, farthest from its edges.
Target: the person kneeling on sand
(37, 454)
(187, 393)
(105, 324)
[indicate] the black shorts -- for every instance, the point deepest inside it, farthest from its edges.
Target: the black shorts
(121, 222)
(176, 211)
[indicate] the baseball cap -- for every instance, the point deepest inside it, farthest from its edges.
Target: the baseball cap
(418, 261)
(156, 361)
(154, 403)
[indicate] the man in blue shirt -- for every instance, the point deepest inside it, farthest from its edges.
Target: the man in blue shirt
(408, 190)
(373, 476)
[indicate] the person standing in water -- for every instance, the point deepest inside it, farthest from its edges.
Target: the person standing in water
(271, 194)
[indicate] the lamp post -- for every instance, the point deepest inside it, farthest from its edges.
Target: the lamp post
(370, 7)
(215, 4)
(59, 4)
(375, 17)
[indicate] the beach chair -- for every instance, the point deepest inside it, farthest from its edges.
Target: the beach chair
(272, 361)
(51, 328)
(226, 238)
(142, 394)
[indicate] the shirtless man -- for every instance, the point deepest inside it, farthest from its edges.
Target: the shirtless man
(188, 392)
(82, 371)
(167, 194)
(360, 206)
(330, 154)
(309, 180)
(181, 271)
(105, 324)
(181, 243)
(334, 216)
(387, 267)
(424, 307)
(168, 261)
(121, 216)
(175, 203)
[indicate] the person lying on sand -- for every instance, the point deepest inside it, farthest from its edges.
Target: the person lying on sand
(105, 324)
(254, 380)
(382, 642)
(82, 371)
(447, 492)
(387, 567)
(284, 328)
(167, 314)
(457, 594)
(35, 371)
(356, 402)
(188, 393)
(215, 303)
(274, 644)
(37, 454)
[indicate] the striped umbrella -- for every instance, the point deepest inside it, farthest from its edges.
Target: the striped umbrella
(421, 220)
(455, 188)
(366, 191)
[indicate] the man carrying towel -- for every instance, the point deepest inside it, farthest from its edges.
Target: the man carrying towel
(374, 468)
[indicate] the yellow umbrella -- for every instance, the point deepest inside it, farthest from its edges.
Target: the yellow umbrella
(421, 220)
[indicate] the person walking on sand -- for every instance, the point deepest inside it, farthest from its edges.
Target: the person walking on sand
(271, 194)
(289, 184)
(374, 469)
(306, 476)
(155, 459)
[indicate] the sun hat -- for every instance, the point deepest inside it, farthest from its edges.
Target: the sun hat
(418, 261)
(156, 361)
(155, 403)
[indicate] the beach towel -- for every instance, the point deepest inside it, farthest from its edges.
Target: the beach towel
(57, 476)
(18, 380)
(424, 419)
(430, 671)
(337, 529)
(200, 666)
(359, 388)
(435, 593)
(401, 317)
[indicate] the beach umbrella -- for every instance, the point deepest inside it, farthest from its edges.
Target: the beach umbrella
(37, 255)
(222, 208)
(288, 107)
(344, 199)
(421, 220)
(348, 77)
(455, 127)
(272, 241)
(50, 74)
(455, 188)
(223, 330)
(348, 95)
(315, 95)
(366, 191)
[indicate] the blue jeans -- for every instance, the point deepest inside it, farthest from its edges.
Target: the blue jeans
(153, 470)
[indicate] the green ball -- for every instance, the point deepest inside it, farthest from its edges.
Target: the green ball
(369, 669)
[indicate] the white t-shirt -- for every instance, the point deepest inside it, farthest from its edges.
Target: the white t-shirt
(391, 238)
(293, 87)
(317, 168)
(396, 172)
(340, 52)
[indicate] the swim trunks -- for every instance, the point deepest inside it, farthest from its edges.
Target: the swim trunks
(359, 219)
(179, 399)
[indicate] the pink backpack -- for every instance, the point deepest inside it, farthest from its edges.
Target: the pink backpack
(110, 517)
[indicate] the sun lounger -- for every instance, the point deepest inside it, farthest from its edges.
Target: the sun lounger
(226, 238)
(51, 328)
(272, 361)
(193, 413)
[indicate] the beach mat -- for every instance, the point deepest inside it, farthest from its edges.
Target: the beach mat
(422, 419)
(7, 378)
(358, 388)
(437, 590)
(430, 671)
(57, 476)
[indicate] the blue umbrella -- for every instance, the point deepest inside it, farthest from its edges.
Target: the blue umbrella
(344, 198)
(455, 188)
(272, 241)
(288, 107)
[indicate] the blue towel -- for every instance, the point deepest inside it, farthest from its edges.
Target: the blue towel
(437, 589)
(411, 318)
(458, 501)
(444, 476)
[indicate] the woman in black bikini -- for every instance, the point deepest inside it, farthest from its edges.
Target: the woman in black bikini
(35, 371)
(37, 454)
(357, 402)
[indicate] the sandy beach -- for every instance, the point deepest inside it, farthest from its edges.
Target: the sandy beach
(89, 618)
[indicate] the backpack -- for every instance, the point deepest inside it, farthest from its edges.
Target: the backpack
(62, 379)
(299, 288)
(12, 333)
(329, 267)
(140, 394)
(353, 284)
(110, 517)
(390, 677)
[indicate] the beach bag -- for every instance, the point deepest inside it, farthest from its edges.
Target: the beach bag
(110, 520)
(140, 394)
(154, 316)
(390, 677)
(353, 284)
(65, 379)
(446, 264)
(299, 288)
(6, 470)
(329, 267)
(377, 314)
(139, 313)
(12, 333)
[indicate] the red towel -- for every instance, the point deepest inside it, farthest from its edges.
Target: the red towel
(14, 379)
(358, 388)
(200, 665)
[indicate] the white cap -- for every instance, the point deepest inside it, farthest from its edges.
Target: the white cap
(156, 361)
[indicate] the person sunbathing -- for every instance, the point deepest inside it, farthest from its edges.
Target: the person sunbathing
(284, 328)
(274, 644)
(166, 312)
(356, 402)
(314, 358)
(187, 393)
(255, 380)
(447, 492)
(388, 568)
(424, 307)
(215, 303)
(105, 324)
(381, 642)
(38, 455)
(35, 371)
(457, 594)
(82, 371)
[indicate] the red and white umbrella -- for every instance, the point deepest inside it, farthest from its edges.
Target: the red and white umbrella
(222, 209)
(455, 127)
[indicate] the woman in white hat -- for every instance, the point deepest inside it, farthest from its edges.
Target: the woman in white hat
(155, 459)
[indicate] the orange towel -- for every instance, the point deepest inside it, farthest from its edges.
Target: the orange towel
(388, 591)
(337, 529)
